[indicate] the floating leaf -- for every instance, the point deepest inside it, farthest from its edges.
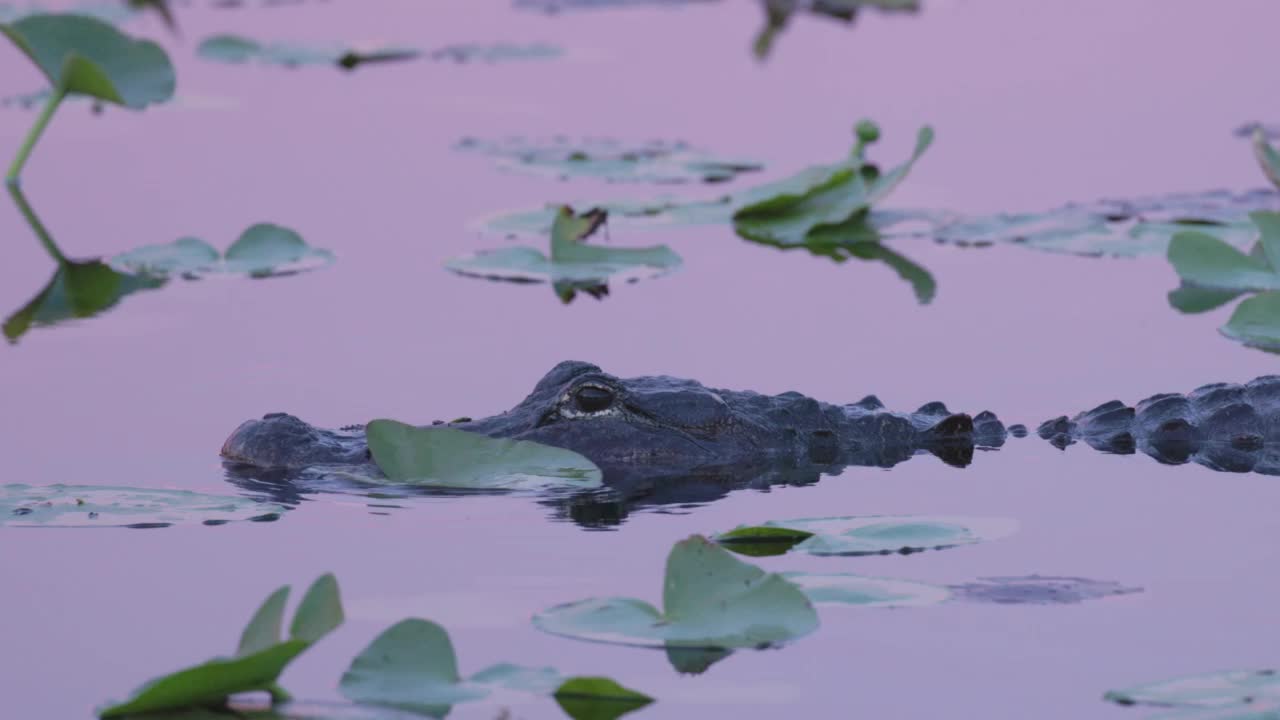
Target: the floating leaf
(263, 250)
(76, 290)
(849, 589)
(598, 698)
(500, 52)
(612, 160)
(1214, 690)
(412, 665)
(236, 49)
(108, 506)
(84, 56)
(1038, 590)
(1256, 322)
(870, 534)
(1206, 262)
(447, 457)
(785, 212)
(710, 600)
(574, 264)
(261, 658)
(659, 213)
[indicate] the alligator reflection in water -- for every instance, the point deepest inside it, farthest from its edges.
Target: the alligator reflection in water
(1222, 426)
(661, 441)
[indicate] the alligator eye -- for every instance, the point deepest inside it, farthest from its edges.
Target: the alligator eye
(592, 399)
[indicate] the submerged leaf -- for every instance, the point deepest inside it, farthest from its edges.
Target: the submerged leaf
(107, 506)
(85, 56)
(447, 457)
(258, 662)
(874, 534)
(710, 599)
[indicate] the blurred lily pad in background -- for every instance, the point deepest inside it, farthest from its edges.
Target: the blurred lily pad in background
(106, 506)
(612, 160)
(864, 535)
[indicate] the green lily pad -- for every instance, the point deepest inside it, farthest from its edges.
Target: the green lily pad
(85, 56)
(263, 250)
(1214, 690)
(1268, 158)
(786, 212)
(612, 160)
(865, 535)
(1256, 322)
(862, 591)
(660, 213)
(107, 506)
(76, 290)
(1204, 261)
(574, 264)
(412, 665)
(237, 49)
(259, 660)
(598, 698)
(710, 600)
(445, 457)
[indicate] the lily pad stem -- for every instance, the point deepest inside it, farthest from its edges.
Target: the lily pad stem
(33, 135)
(46, 240)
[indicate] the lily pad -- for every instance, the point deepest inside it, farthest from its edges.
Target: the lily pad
(1214, 690)
(263, 250)
(1256, 322)
(862, 591)
(1119, 227)
(1206, 262)
(710, 600)
(259, 660)
(597, 698)
(864, 535)
(611, 160)
(107, 506)
(76, 290)
(786, 212)
(660, 213)
(412, 665)
(447, 457)
(85, 56)
(574, 264)
(495, 53)
(236, 49)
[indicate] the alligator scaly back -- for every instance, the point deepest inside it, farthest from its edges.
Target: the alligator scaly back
(1223, 426)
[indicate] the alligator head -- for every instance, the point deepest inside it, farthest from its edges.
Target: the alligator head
(661, 422)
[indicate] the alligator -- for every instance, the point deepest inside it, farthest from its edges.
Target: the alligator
(643, 430)
(1223, 426)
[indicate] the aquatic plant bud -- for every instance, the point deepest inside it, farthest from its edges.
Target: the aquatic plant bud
(867, 132)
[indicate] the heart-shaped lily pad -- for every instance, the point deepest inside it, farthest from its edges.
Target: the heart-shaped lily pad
(864, 535)
(107, 506)
(710, 600)
(445, 457)
(412, 665)
(1256, 322)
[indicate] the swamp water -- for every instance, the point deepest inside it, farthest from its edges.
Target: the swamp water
(1034, 105)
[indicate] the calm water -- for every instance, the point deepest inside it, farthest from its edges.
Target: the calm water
(1035, 104)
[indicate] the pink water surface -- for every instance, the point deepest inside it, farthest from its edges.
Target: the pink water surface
(1035, 104)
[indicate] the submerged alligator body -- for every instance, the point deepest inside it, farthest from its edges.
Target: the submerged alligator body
(660, 426)
(1225, 427)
